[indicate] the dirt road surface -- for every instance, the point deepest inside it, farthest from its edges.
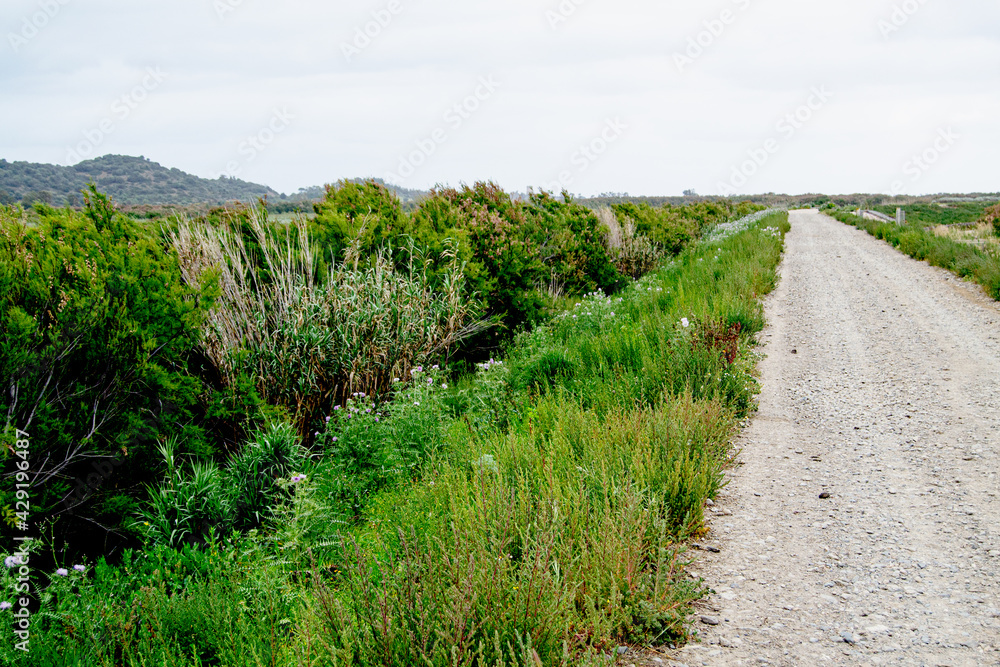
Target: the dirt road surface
(881, 388)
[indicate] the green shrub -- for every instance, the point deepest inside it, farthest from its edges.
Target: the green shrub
(913, 243)
(367, 215)
(309, 343)
(96, 334)
(252, 478)
(186, 508)
(373, 447)
(992, 216)
(932, 213)
(211, 501)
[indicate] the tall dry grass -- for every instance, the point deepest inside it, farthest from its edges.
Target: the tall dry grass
(633, 253)
(311, 341)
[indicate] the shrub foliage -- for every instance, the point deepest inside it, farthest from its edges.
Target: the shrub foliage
(263, 408)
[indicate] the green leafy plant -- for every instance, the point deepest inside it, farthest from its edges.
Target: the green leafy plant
(186, 508)
(309, 343)
(96, 327)
(252, 477)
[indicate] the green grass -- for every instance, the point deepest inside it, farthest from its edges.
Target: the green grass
(980, 265)
(537, 514)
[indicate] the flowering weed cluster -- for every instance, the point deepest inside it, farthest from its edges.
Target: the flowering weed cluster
(375, 446)
(725, 230)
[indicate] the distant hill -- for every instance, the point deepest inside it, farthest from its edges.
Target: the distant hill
(137, 181)
(131, 181)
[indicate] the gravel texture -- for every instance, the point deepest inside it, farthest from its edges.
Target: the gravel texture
(881, 388)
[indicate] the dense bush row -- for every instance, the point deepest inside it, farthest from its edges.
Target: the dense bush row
(118, 335)
(962, 259)
(531, 513)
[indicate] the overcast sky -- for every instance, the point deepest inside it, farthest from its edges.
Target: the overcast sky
(649, 98)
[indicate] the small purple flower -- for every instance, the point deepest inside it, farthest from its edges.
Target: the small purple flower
(62, 572)
(444, 386)
(368, 410)
(336, 407)
(395, 379)
(335, 438)
(327, 420)
(376, 419)
(4, 606)
(11, 561)
(435, 366)
(298, 478)
(80, 568)
(317, 434)
(430, 380)
(361, 394)
(416, 402)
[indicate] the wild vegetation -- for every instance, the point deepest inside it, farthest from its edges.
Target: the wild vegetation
(942, 213)
(297, 447)
(992, 217)
(976, 262)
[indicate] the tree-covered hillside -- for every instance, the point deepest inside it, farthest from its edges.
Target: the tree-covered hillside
(130, 180)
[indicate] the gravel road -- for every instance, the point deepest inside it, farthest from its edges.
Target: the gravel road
(881, 388)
